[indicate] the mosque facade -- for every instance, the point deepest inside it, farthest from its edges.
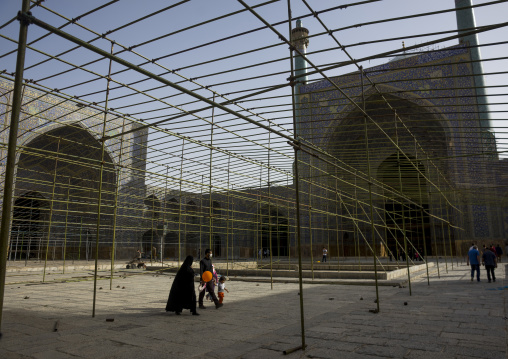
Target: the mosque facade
(441, 191)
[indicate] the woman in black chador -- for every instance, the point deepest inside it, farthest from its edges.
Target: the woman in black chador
(182, 294)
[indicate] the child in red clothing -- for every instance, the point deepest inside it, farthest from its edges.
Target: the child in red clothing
(222, 288)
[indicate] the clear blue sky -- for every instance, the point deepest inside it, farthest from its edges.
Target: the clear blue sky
(196, 11)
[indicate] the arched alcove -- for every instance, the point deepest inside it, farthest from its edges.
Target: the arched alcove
(63, 165)
(149, 240)
(217, 245)
(274, 227)
(406, 203)
(347, 139)
(29, 215)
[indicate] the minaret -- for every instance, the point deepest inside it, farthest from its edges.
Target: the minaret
(466, 22)
(300, 41)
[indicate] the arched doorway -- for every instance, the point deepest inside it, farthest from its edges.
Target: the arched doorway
(64, 166)
(149, 240)
(28, 219)
(274, 228)
(217, 245)
(405, 176)
(346, 140)
(170, 244)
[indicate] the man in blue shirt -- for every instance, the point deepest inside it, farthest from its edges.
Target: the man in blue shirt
(473, 258)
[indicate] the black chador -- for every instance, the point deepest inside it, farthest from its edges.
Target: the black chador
(182, 294)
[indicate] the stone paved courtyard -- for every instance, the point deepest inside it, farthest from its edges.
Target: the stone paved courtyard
(451, 318)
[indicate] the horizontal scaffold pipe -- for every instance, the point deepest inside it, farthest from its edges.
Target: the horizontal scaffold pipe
(42, 24)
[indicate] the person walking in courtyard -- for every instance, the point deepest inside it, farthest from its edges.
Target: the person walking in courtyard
(222, 288)
(206, 265)
(492, 248)
(182, 294)
(473, 258)
(489, 260)
(499, 253)
(215, 280)
(325, 254)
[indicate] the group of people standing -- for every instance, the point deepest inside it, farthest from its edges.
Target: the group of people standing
(489, 258)
(183, 295)
(264, 252)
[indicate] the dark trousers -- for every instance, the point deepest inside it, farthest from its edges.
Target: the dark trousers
(490, 269)
(475, 267)
(324, 259)
(211, 291)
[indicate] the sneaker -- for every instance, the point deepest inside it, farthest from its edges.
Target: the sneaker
(202, 306)
(471, 279)
(195, 313)
(217, 306)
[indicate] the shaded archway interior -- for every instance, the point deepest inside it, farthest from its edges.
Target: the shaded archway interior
(348, 143)
(57, 181)
(274, 230)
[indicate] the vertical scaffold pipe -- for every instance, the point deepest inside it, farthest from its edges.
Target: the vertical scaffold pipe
(200, 211)
(11, 154)
(449, 234)
(232, 229)
(260, 215)
(328, 229)
(210, 202)
(180, 207)
(337, 211)
(151, 234)
(310, 224)
(51, 205)
(101, 175)
(423, 219)
(442, 227)
(433, 231)
(356, 230)
(300, 39)
(228, 219)
(259, 229)
(270, 229)
(373, 233)
(402, 205)
(80, 238)
(65, 228)
(288, 244)
(115, 208)
(458, 248)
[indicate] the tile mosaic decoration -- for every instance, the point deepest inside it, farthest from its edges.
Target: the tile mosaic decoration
(453, 95)
(42, 112)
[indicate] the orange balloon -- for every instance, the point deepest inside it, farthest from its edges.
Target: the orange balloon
(207, 276)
